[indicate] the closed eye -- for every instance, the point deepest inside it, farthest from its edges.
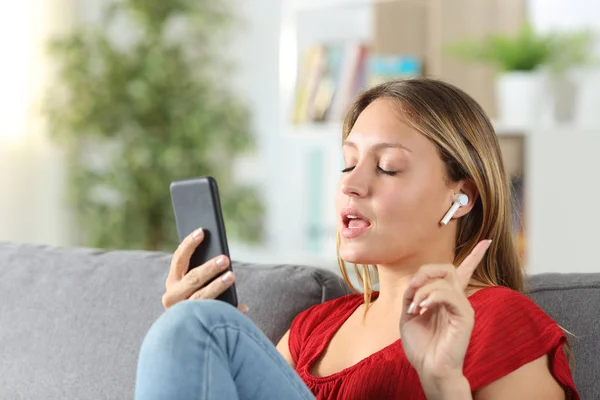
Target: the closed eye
(383, 171)
(390, 173)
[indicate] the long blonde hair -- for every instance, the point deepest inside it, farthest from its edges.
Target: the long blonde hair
(469, 148)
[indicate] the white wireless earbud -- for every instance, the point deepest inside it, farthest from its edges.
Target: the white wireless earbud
(460, 200)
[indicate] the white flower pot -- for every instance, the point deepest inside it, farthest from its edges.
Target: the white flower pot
(587, 102)
(564, 95)
(520, 98)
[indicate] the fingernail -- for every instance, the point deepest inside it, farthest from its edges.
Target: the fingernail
(424, 303)
(245, 308)
(228, 277)
(197, 233)
(221, 262)
(411, 308)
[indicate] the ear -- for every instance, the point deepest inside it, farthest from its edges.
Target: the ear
(467, 187)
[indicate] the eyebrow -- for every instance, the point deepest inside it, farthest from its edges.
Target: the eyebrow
(379, 146)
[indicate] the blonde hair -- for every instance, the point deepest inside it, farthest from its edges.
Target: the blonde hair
(469, 148)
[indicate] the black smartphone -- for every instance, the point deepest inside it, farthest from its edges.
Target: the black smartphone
(196, 204)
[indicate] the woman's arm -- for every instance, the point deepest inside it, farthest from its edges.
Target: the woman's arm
(531, 381)
(284, 349)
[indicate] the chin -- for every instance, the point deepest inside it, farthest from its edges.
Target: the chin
(357, 253)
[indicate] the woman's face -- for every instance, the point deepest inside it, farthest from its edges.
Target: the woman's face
(393, 191)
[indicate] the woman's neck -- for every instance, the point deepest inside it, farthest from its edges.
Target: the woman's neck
(395, 278)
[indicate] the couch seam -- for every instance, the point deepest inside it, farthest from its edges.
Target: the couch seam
(317, 278)
(550, 288)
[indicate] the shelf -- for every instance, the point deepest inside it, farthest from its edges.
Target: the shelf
(303, 5)
(504, 129)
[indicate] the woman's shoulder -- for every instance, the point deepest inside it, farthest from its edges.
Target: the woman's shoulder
(510, 331)
(486, 296)
(503, 315)
(499, 304)
(493, 293)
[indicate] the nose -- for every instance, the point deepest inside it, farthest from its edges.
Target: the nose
(355, 183)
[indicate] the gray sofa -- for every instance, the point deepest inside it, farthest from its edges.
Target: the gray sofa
(72, 320)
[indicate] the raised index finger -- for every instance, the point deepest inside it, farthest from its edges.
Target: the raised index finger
(467, 267)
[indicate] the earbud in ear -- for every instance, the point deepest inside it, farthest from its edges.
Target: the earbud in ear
(460, 200)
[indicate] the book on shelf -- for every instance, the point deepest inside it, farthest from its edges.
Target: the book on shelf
(383, 67)
(331, 75)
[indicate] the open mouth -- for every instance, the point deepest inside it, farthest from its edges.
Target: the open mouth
(354, 223)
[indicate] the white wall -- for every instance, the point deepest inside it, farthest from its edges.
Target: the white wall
(255, 50)
(563, 188)
(564, 14)
(563, 183)
(31, 170)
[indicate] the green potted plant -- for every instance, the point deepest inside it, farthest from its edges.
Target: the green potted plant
(533, 71)
(572, 52)
(141, 99)
(519, 59)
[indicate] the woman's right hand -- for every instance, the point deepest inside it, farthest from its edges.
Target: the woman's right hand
(182, 285)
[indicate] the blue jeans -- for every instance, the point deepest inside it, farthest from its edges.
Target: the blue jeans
(206, 349)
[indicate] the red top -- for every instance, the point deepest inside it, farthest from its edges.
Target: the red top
(503, 339)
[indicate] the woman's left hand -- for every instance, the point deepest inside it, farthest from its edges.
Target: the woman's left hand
(437, 320)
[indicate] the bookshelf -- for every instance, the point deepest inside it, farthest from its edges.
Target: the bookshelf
(419, 28)
(414, 31)
(524, 148)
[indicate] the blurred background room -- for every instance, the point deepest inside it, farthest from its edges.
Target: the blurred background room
(103, 103)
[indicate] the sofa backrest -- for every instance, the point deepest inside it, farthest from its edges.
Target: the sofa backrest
(72, 320)
(573, 301)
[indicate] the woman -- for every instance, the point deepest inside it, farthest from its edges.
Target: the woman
(422, 193)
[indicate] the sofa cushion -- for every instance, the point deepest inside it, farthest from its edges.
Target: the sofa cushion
(72, 320)
(276, 294)
(573, 301)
